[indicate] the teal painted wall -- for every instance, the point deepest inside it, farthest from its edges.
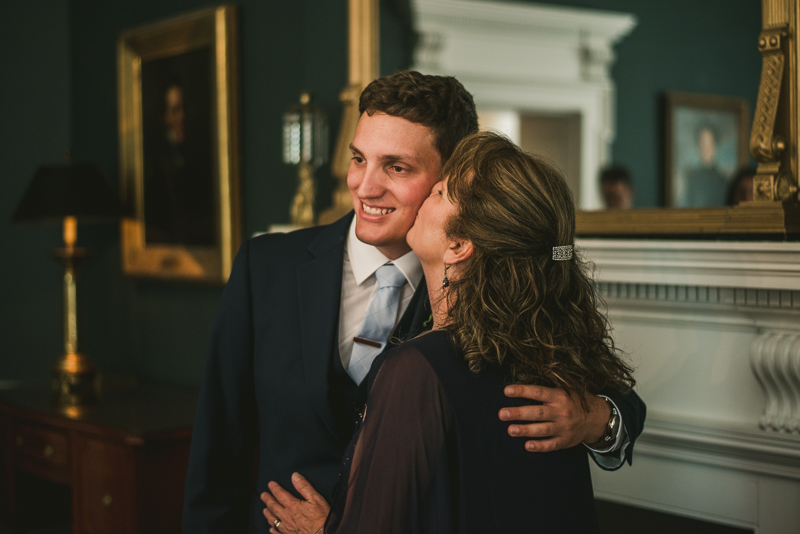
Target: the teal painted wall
(698, 46)
(64, 65)
(34, 128)
(158, 329)
(61, 92)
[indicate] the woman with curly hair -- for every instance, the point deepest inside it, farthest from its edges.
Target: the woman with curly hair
(511, 303)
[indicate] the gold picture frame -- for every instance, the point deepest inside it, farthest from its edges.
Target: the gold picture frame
(179, 146)
(705, 144)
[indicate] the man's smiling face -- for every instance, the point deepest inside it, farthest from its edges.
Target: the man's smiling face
(393, 168)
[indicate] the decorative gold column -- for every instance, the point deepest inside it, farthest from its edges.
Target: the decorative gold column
(363, 45)
(774, 136)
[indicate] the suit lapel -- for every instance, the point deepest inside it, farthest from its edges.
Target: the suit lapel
(414, 318)
(319, 285)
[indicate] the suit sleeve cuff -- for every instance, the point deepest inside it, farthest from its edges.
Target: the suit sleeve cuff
(613, 456)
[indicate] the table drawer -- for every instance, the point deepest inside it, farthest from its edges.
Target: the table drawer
(107, 488)
(42, 451)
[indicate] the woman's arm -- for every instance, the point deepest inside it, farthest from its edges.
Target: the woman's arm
(401, 449)
(386, 484)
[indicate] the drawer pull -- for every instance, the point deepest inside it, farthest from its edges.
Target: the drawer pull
(49, 452)
(20, 440)
(106, 500)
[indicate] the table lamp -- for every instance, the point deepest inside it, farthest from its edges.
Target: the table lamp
(63, 194)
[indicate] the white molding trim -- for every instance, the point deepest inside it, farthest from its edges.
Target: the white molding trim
(773, 454)
(721, 264)
(678, 317)
(528, 57)
(707, 295)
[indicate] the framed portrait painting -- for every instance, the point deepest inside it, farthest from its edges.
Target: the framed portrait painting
(178, 121)
(705, 145)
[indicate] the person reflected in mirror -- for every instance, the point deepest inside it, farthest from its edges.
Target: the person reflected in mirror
(617, 188)
(706, 184)
(741, 188)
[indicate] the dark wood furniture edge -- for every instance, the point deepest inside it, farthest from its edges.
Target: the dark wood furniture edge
(69, 424)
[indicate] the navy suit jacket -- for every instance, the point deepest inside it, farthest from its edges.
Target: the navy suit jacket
(267, 390)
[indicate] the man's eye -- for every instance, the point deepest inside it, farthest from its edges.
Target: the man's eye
(398, 168)
(358, 159)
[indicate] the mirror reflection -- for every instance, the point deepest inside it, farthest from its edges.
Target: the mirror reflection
(586, 84)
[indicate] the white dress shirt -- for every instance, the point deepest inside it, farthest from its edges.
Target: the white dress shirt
(359, 285)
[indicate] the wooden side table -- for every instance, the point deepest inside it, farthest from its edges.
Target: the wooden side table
(125, 459)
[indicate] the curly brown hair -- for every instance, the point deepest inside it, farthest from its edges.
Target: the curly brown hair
(438, 102)
(512, 304)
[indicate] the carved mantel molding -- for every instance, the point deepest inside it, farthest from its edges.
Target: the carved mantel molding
(734, 286)
(702, 442)
(762, 265)
(775, 360)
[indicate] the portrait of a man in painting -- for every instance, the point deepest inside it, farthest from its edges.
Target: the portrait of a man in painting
(178, 150)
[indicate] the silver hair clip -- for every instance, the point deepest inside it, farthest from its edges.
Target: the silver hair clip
(562, 253)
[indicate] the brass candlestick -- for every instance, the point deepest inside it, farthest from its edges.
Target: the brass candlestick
(75, 379)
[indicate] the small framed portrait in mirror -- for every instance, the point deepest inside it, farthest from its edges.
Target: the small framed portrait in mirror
(179, 146)
(705, 146)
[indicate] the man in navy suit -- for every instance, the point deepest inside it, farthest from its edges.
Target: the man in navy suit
(278, 386)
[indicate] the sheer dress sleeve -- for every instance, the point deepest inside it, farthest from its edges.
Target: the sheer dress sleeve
(395, 476)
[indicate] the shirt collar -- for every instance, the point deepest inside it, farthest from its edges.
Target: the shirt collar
(366, 259)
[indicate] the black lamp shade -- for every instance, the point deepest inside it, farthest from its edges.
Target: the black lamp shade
(68, 190)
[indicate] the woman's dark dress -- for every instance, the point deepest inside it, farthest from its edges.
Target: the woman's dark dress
(432, 456)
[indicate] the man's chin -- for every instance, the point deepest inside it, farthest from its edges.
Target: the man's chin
(388, 245)
(371, 239)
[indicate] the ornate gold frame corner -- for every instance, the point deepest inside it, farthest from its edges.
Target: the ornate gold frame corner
(216, 28)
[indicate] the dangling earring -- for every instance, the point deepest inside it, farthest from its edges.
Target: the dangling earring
(445, 282)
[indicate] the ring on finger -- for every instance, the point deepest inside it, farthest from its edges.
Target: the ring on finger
(276, 523)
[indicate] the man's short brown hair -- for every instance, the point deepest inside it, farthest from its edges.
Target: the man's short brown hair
(438, 102)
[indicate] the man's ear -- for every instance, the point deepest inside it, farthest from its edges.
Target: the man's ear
(458, 251)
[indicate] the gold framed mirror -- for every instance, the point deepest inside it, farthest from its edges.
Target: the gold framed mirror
(775, 211)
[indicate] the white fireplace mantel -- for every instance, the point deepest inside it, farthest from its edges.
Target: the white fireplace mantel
(713, 331)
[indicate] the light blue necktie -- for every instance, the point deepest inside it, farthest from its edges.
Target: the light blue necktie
(378, 322)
